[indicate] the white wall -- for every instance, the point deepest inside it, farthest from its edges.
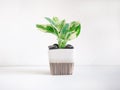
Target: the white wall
(22, 44)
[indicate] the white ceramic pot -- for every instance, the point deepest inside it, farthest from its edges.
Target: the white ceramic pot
(61, 61)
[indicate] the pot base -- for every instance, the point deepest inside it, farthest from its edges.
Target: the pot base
(61, 68)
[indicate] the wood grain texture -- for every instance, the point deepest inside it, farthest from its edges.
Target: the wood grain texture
(61, 68)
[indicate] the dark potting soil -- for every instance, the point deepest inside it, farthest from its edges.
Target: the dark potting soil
(55, 46)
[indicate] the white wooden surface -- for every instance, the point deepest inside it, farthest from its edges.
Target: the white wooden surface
(38, 78)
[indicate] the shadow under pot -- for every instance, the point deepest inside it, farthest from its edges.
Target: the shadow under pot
(61, 61)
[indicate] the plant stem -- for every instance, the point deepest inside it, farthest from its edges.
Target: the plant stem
(62, 43)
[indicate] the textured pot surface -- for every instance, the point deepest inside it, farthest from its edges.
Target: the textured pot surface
(61, 68)
(61, 61)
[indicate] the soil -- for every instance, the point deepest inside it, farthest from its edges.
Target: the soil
(55, 46)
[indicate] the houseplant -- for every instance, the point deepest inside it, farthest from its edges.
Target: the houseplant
(61, 54)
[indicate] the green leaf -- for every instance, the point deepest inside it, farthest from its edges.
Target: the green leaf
(64, 30)
(46, 28)
(41, 27)
(75, 33)
(59, 24)
(51, 22)
(73, 25)
(62, 23)
(55, 19)
(78, 29)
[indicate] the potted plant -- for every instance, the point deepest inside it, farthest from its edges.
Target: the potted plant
(61, 54)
